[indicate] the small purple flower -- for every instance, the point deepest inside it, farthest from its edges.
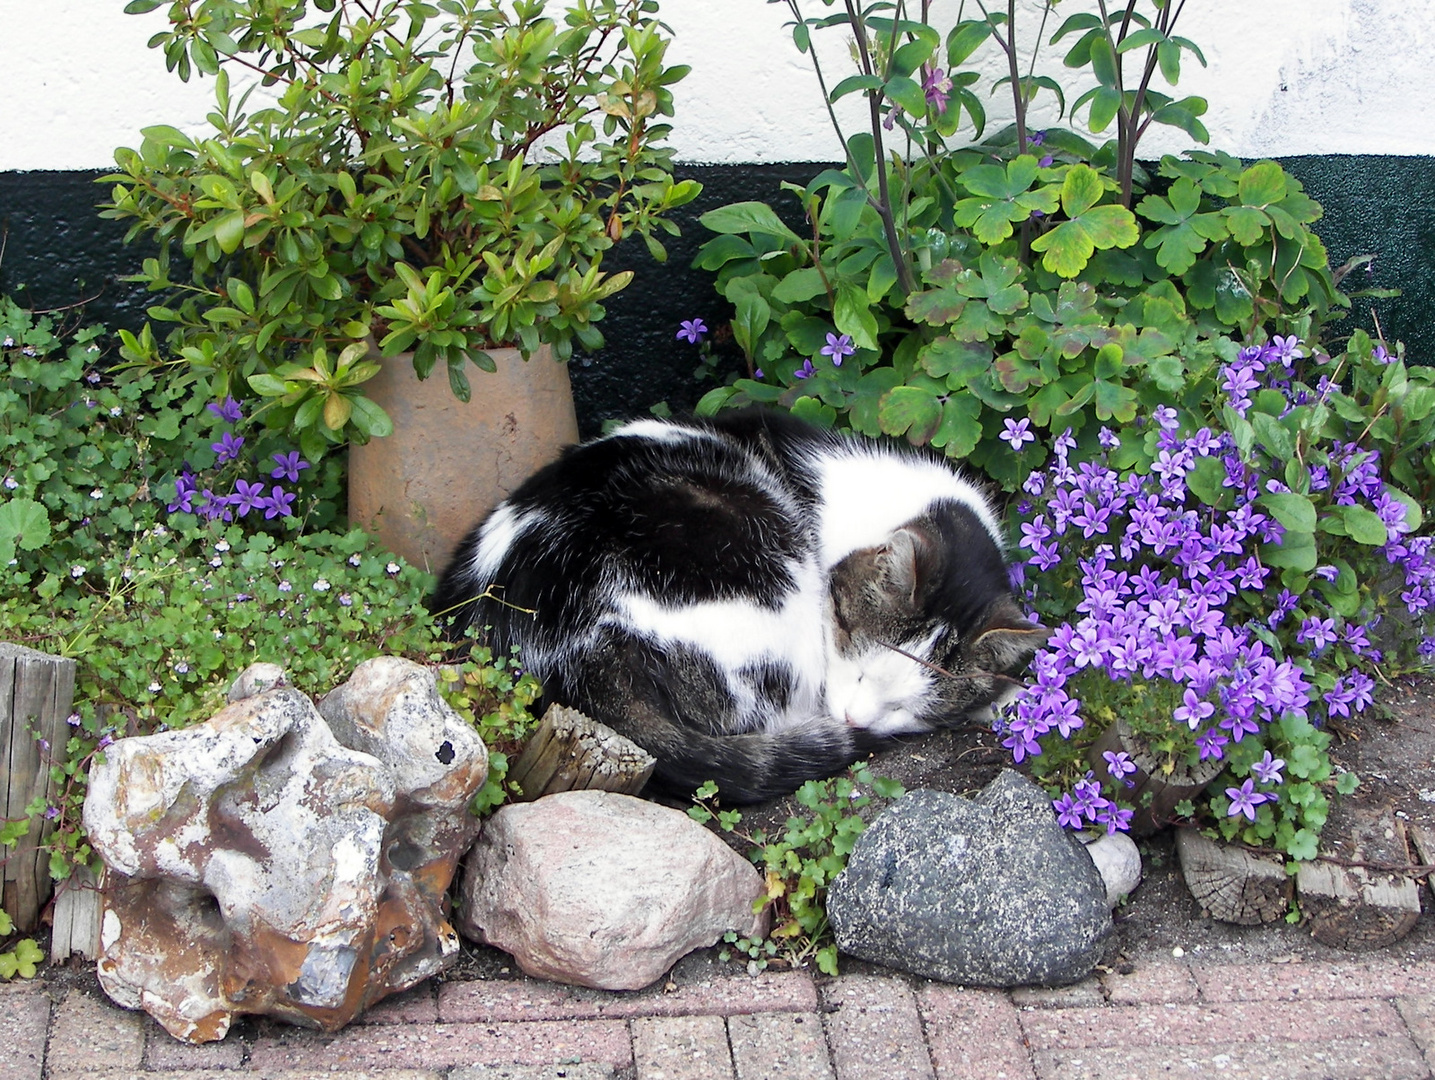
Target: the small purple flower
(1192, 710)
(1212, 744)
(1036, 138)
(692, 330)
(1068, 814)
(246, 497)
(838, 348)
(1268, 769)
(51, 813)
(105, 741)
(228, 447)
(805, 371)
(1108, 439)
(936, 86)
(289, 466)
(1119, 764)
(228, 412)
(279, 503)
(1018, 432)
(1316, 632)
(1044, 162)
(1245, 799)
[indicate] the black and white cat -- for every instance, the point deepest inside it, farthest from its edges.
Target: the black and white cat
(751, 599)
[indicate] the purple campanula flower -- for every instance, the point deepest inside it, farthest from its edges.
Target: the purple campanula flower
(1245, 799)
(1268, 769)
(1115, 818)
(1018, 432)
(1068, 814)
(805, 371)
(1108, 439)
(838, 348)
(1212, 744)
(1119, 764)
(246, 497)
(229, 412)
(692, 330)
(289, 466)
(279, 503)
(228, 447)
(1316, 632)
(1192, 710)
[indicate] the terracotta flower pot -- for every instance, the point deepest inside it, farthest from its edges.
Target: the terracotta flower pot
(1166, 790)
(421, 489)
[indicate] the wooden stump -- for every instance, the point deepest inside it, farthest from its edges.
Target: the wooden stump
(1233, 884)
(36, 692)
(1424, 843)
(1356, 907)
(75, 919)
(570, 752)
(1165, 789)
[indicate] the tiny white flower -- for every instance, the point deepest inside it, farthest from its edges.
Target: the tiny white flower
(160, 530)
(182, 667)
(127, 573)
(392, 568)
(29, 350)
(155, 688)
(93, 349)
(219, 635)
(8, 343)
(284, 586)
(321, 585)
(222, 546)
(216, 562)
(77, 571)
(345, 600)
(97, 494)
(115, 410)
(11, 483)
(355, 559)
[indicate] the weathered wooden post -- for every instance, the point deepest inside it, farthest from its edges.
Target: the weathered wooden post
(36, 692)
(570, 752)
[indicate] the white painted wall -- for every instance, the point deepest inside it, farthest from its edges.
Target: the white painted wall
(1285, 77)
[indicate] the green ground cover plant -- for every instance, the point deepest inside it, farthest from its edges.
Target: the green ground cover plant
(165, 543)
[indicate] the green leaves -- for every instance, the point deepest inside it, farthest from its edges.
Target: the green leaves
(1001, 197)
(1069, 246)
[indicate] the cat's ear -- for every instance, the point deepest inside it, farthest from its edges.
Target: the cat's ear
(901, 561)
(1007, 639)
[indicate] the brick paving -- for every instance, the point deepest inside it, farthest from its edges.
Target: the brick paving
(1366, 1018)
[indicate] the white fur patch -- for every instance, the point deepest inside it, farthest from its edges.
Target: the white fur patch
(880, 690)
(503, 527)
(867, 494)
(739, 633)
(660, 431)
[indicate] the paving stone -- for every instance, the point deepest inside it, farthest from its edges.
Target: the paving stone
(1085, 992)
(1292, 982)
(586, 1071)
(24, 1019)
(440, 1046)
(260, 1074)
(874, 1030)
(681, 1048)
(533, 999)
(1151, 984)
(413, 1006)
(1419, 1015)
(162, 1051)
(973, 1034)
(1219, 1023)
(1391, 1058)
(779, 1046)
(90, 1035)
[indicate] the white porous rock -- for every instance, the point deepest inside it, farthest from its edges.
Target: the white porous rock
(1119, 861)
(605, 890)
(255, 679)
(257, 864)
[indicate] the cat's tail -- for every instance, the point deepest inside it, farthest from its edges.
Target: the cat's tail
(754, 766)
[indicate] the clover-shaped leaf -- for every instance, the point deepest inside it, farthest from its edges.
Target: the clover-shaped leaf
(955, 361)
(913, 411)
(1068, 247)
(1001, 198)
(1185, 233)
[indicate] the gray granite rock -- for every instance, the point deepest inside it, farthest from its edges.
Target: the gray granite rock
(988, 891)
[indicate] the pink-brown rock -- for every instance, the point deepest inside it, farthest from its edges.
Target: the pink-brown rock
(600, 889)
(257, 864)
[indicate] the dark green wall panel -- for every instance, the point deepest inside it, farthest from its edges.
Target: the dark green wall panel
(58, 253)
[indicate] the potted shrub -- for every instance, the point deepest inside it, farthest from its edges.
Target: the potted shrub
(432, 180)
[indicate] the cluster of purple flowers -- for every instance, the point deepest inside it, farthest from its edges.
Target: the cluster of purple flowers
(1173, 594)
(190, 498)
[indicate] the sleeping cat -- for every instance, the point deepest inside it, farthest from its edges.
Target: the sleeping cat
(751, 599)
